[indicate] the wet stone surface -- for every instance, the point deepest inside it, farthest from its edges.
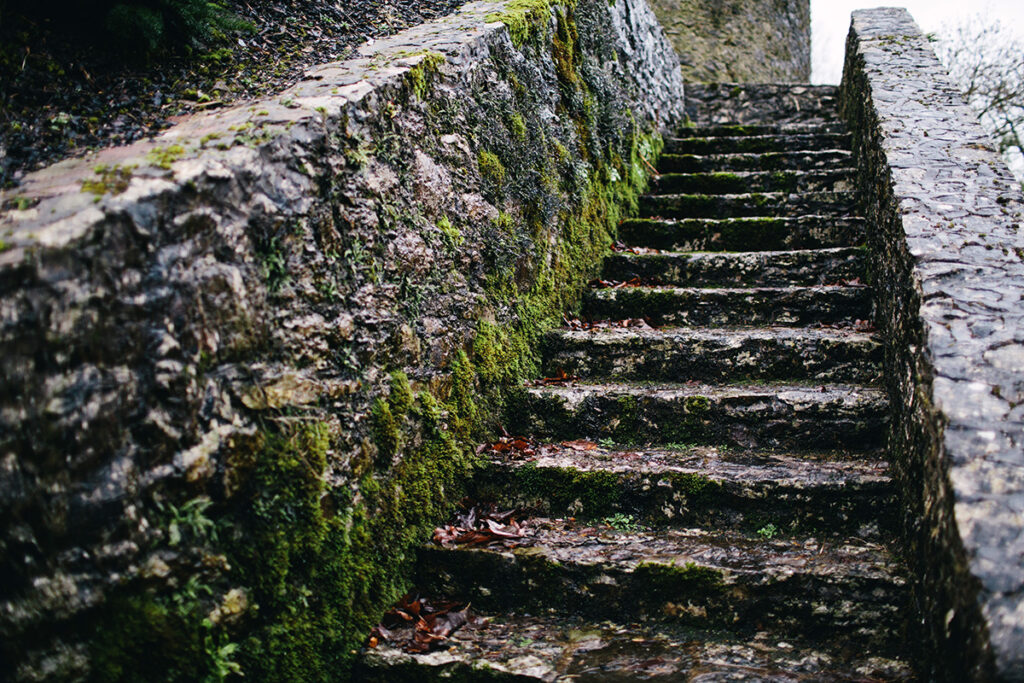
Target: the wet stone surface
(720, 354)
(695, 576)
(548, 648)
(737, 144)
(831, 180)
(761, 104)
(736, 482)
(732, 306)
(786, 160)
(743, 234)
(948, 245)
(711, 486)
(739, 40)
(747, 204)
(764, 268)
(792, 415)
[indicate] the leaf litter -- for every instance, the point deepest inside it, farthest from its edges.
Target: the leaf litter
(483, 524)
(626, 323)
(420, 625)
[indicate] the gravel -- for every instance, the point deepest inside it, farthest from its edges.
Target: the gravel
(62, 94)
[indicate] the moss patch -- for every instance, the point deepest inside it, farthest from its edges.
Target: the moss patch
(523, 18)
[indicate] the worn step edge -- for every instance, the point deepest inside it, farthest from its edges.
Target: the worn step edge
(746, 234)
(770, 415)
(748, 204)
(716, 306)
(711, 487)
(854, 589)
(714, 354)
(550, 648)
(760, 268)
(821, 180)
(735, 130)
(753, 161)
(757, 143)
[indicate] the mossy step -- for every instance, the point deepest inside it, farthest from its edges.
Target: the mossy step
(731, 269)
(770, 161)
(761, 104)
(743, 234)
(710, 306)
(733, 130)
(830, 180)
(549, 648)
(757, 143)
(851, 589)
(772, 415)
(715, 354)
(751, 204)
(709, 487)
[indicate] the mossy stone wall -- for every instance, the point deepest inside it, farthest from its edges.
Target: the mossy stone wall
(245, 364)
(740, 41)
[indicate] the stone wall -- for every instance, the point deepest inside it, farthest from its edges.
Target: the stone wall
(746, 41)
(244, 364)
(944, 216)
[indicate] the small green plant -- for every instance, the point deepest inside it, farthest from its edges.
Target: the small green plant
(768, 531)
(188, 520)
(275, 267)
(621, 522)
(607, 442)
(112, 179)
(163, 157)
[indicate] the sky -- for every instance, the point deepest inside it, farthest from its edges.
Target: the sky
(830, 22)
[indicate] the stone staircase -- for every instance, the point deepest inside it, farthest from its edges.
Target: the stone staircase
(710, 497)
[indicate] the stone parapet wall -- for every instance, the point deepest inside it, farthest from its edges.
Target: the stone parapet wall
(945, 230)
(243, 363)
(746, 41)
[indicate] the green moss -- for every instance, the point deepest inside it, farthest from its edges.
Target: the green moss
(418, 77)
(588, 494)
(697, 404)
(628, 416)
(491, 167)
(451, 234)
(518, 126)
(673, 582)
(112, 180)
(319, 565)
(565, 50)
(400, 399)
(163, 157)
(4, 246)
(524, 19)
(461, 399)
(385, 432)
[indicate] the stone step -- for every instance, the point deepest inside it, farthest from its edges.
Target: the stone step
(764, 268)
(771, 161)
(754, 204)
(770, 415)
(549, 648)
(743, 234)
(736, 144)
(714, 354)
(851, 589)
(710, 487)
(761, 103)
(712, 306)
(833, 180)
(736, 130)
